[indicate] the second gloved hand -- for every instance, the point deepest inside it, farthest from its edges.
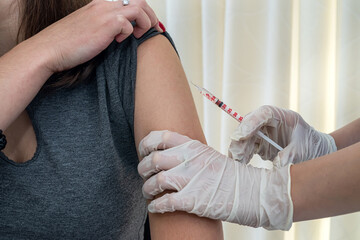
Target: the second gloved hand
(210, 184)
(301, 142)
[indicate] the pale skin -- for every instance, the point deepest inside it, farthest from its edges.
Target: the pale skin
(171, 108)
(26, 67)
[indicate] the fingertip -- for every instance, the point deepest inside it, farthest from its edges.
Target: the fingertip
(244, 131)
(121, 37)
(158, 25)
(138, 33)
(150, 188)
(253, 122)
(158, 28)
(160, 140)
(150, 165)
(151, 142)
(141, 169)
(151, 207)
(236, 135)
(140, 28)
(145, 194)
(143, 147)
(172, 139)
(162, 204)
(162, 27)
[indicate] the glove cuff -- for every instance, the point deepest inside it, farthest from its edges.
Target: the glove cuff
(331, 142)
(276, 206)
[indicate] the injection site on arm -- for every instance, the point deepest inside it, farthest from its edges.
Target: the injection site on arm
(163, 101)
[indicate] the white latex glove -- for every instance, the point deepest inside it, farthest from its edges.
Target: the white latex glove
(212, 185)
(287, 128)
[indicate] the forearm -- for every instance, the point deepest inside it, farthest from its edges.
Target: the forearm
(22, 74)
(327, 186)
(347, 135)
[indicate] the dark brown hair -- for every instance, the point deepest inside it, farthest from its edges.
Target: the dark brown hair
(37, 15)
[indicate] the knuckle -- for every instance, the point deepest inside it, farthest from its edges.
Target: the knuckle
(144, 143)
(167, 136)
(142, 3)
(161, 178)
(137, 10)
(148, 24)
(265, 108)
(155, 134)
(155, 159)
(108, 20)
(120, 19)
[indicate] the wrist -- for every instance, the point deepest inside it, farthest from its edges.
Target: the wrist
(276, 206)
(332, 143)
(23, 73)
(36, 59)
(326, 144)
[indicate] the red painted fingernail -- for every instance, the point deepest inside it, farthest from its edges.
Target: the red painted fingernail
(162, 26)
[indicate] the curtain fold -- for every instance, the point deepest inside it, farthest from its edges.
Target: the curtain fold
(296, 54)
(213, 13)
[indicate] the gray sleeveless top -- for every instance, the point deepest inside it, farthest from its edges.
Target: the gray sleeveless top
(82, 182)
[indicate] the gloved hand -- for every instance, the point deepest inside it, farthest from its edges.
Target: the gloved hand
(287, 128)
(212, 185)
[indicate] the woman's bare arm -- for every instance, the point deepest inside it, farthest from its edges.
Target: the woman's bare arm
(22, 74)
(163, 101)
(327, 186)
(347, 135)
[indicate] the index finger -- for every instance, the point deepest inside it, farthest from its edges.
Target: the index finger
(158, 161)
(153, 18)
(252, 123)
(160, 140)
(137, 14)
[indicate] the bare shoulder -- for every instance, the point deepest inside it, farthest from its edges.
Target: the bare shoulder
(163, 101)
(156, 43)
(163, 92)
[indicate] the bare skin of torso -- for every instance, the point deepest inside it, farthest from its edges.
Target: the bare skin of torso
(21, 139)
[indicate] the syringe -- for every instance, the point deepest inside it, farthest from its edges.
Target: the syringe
(232, 113)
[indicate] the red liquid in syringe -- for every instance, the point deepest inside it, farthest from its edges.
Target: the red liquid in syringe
(220, 104)
(233, 114)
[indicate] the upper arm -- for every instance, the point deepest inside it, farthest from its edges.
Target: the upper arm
(163, 101)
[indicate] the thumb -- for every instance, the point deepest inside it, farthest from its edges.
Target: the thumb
(242, 151)
(160, 140)
(252, 123)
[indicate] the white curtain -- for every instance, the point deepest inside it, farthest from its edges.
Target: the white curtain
(299, 54)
